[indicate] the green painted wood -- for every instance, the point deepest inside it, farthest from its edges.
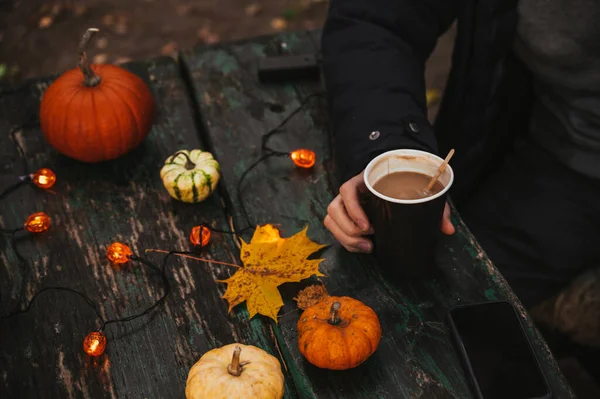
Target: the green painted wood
(91, 206)
(415, 358)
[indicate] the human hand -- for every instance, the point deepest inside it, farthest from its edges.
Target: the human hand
(347, 220)
(349, 224)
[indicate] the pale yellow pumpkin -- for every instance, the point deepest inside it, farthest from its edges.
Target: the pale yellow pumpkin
(235, 371)
(190, 176)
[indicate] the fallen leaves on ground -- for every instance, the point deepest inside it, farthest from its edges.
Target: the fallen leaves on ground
(79, 10)
(101, 42)
(122, 60)
(45, 22)
(253, 9)
(100, 58)
(121, 26)
(207, 35)
(270, 261)
(108, 19)
(311, 295)
(169, 49)
(278, 24)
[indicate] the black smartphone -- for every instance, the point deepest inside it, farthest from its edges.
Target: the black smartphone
(496, 352)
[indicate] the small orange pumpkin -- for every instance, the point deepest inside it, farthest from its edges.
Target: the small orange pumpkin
(338, 333)
(96, 112)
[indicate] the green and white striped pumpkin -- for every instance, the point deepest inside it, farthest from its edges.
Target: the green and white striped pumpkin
(190, 176)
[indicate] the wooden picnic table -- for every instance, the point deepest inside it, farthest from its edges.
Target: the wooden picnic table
(210, 99)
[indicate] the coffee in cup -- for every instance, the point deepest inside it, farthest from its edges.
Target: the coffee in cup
(405, 216)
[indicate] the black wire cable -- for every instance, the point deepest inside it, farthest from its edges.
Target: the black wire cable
(14, 187)
(163, 269)
(246, 172)
(167, 290)
(276, 129)
(25, 270)
(51, 288)
(22, 179)
(270, 152)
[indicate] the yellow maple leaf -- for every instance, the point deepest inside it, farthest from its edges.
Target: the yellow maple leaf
(270, 261)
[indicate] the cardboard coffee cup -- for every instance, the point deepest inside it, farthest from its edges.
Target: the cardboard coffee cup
(406, 231)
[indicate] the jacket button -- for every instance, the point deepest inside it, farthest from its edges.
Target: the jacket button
(414, 127)
(374, 135)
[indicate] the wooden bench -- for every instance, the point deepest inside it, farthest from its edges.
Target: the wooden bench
(211, 99)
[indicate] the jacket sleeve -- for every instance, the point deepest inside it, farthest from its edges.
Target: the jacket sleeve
(374, 54)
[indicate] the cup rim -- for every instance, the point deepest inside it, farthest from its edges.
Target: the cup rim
(406, 152)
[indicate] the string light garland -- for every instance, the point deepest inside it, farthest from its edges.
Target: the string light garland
(43, 178)
(118, 253)
(95, 342)
(303, 158)
(37, 222)
(200, 236)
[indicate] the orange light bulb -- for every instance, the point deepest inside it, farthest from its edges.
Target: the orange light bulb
(43, 178)
(118, 252)
(200, 236)
(37, 222)
(303, 158)
(94, 343)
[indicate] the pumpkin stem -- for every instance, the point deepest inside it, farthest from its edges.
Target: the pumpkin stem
(90, 79)
(189, 165)
(236, 367)
(333, 314)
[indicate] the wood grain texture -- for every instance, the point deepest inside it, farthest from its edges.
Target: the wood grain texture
(415, 358)
(91, 206)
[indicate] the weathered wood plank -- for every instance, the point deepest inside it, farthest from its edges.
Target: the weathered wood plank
(92, 206)
(415, 357)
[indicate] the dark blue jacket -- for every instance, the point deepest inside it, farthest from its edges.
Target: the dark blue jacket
(374, 54)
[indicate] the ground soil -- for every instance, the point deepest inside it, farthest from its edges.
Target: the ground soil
(40, 37)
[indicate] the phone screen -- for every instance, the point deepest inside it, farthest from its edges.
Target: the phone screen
(498, 351)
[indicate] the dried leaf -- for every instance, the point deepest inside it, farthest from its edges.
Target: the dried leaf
(101, 42)
(278, 24)
(169, 49)
(108, 19)
(207, 35)
(183, 9)
(56, 9)
(121, 27)
(212, 38)
(311, 295)
(270, 261)
(203, 32)
(253, 9)
(45, 22)
(79, 10)
(100, 58)
(123, 60)
(432, 96)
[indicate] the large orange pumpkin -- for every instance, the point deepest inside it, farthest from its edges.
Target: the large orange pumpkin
(338, 333)
(96, 112)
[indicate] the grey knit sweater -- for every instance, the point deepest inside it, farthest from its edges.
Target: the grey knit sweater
(560, 42)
